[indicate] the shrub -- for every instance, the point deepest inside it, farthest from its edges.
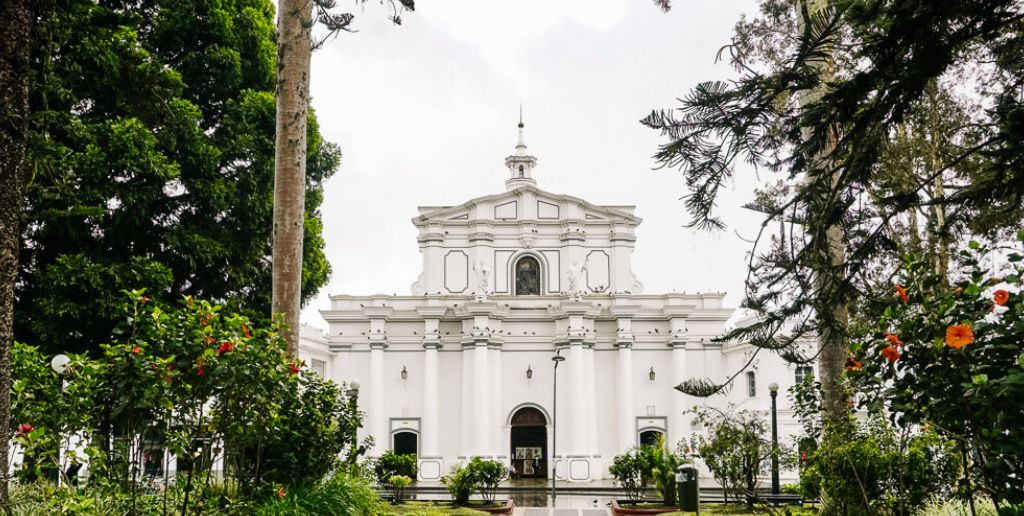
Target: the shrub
(397, 484)
(341, 495)
(660, 465)
(487, 474)
(869, 468)
(460, 481)
(735, 450)
(628, 469)
(390, 464)
(950, 356)
(204, 383)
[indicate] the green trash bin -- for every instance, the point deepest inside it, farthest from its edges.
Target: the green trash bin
(688, 485)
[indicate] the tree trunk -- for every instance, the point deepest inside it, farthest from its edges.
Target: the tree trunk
(294, 48)
(828, 267)
(15, 42)
(940, 233)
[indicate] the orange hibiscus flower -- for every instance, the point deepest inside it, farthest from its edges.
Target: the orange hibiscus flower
(893, 340)
(890, 353)
(852, 364)
(903, 293)
(1001, 297)
(959, 335)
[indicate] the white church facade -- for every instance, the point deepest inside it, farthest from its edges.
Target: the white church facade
(462, 367)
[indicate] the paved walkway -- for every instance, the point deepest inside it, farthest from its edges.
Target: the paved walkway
(531, 511)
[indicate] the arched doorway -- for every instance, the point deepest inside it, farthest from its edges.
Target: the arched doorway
(649, 437)
(405, 443)
(529, 443)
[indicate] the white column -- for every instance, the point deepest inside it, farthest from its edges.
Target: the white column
(481, 399)
(676, 430)
(431, 407)
(624, 392)
(591, 400)
(375, 406)
(497, 417)
(466, 412)
(577, 404)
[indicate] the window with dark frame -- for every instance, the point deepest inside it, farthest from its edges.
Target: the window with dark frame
(751, 384)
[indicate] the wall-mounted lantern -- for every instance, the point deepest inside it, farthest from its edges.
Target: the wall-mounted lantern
(651, 374)
(405, 373)
(529, 373)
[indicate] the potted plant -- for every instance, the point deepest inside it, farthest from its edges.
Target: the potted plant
(634, 469)
(483, 475)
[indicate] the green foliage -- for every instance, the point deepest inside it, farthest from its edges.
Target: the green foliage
(396, 485)
(205, 383)
(487, 474)
(460, 481)
(871, 468)
(340, 495)
(391, 463)
(151, 161)
(968, 391)
(629, 470)
(660, 465)
(736, 450)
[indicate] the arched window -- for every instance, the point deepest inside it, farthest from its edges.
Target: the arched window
(527, 276)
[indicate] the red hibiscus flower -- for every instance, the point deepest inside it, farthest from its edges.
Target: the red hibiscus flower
(893, 340)
(890, 353)
(24, 429)
(852, 364)
(803, 456)
(225, 347)
(136, 350)
(280, 492)
(903, 293)
(200, 372)
(1001, 297)
(293, 368)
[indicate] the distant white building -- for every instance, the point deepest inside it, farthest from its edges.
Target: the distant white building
(463, 366)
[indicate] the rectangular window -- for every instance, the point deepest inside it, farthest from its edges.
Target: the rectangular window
(319, 367)
(751, 384)
(803, 372)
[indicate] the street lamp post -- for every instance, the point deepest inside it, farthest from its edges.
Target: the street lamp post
(59, 364)
(774, 390)
(558, 358)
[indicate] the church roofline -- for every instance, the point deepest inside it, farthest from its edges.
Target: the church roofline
(437, 213)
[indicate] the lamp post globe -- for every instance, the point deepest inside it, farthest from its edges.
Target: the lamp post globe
(59, 363)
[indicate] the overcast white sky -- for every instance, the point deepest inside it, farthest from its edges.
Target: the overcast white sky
(425, 114)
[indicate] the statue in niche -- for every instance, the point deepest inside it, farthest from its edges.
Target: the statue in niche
(527, 276)
(575, 277)
(483, 277)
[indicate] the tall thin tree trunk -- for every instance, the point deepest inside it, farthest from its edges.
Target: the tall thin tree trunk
(15, 42)
(940, 233)
(294, 49)
(828, 267)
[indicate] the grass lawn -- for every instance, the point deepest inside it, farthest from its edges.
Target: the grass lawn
(426, 509)
(735, 509)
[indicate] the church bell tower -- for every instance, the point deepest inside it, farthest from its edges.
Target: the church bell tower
(520, 165)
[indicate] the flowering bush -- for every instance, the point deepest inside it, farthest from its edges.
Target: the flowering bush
(207, 385)
(951, 357)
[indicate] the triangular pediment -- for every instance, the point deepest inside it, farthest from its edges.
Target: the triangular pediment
(507, 206)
